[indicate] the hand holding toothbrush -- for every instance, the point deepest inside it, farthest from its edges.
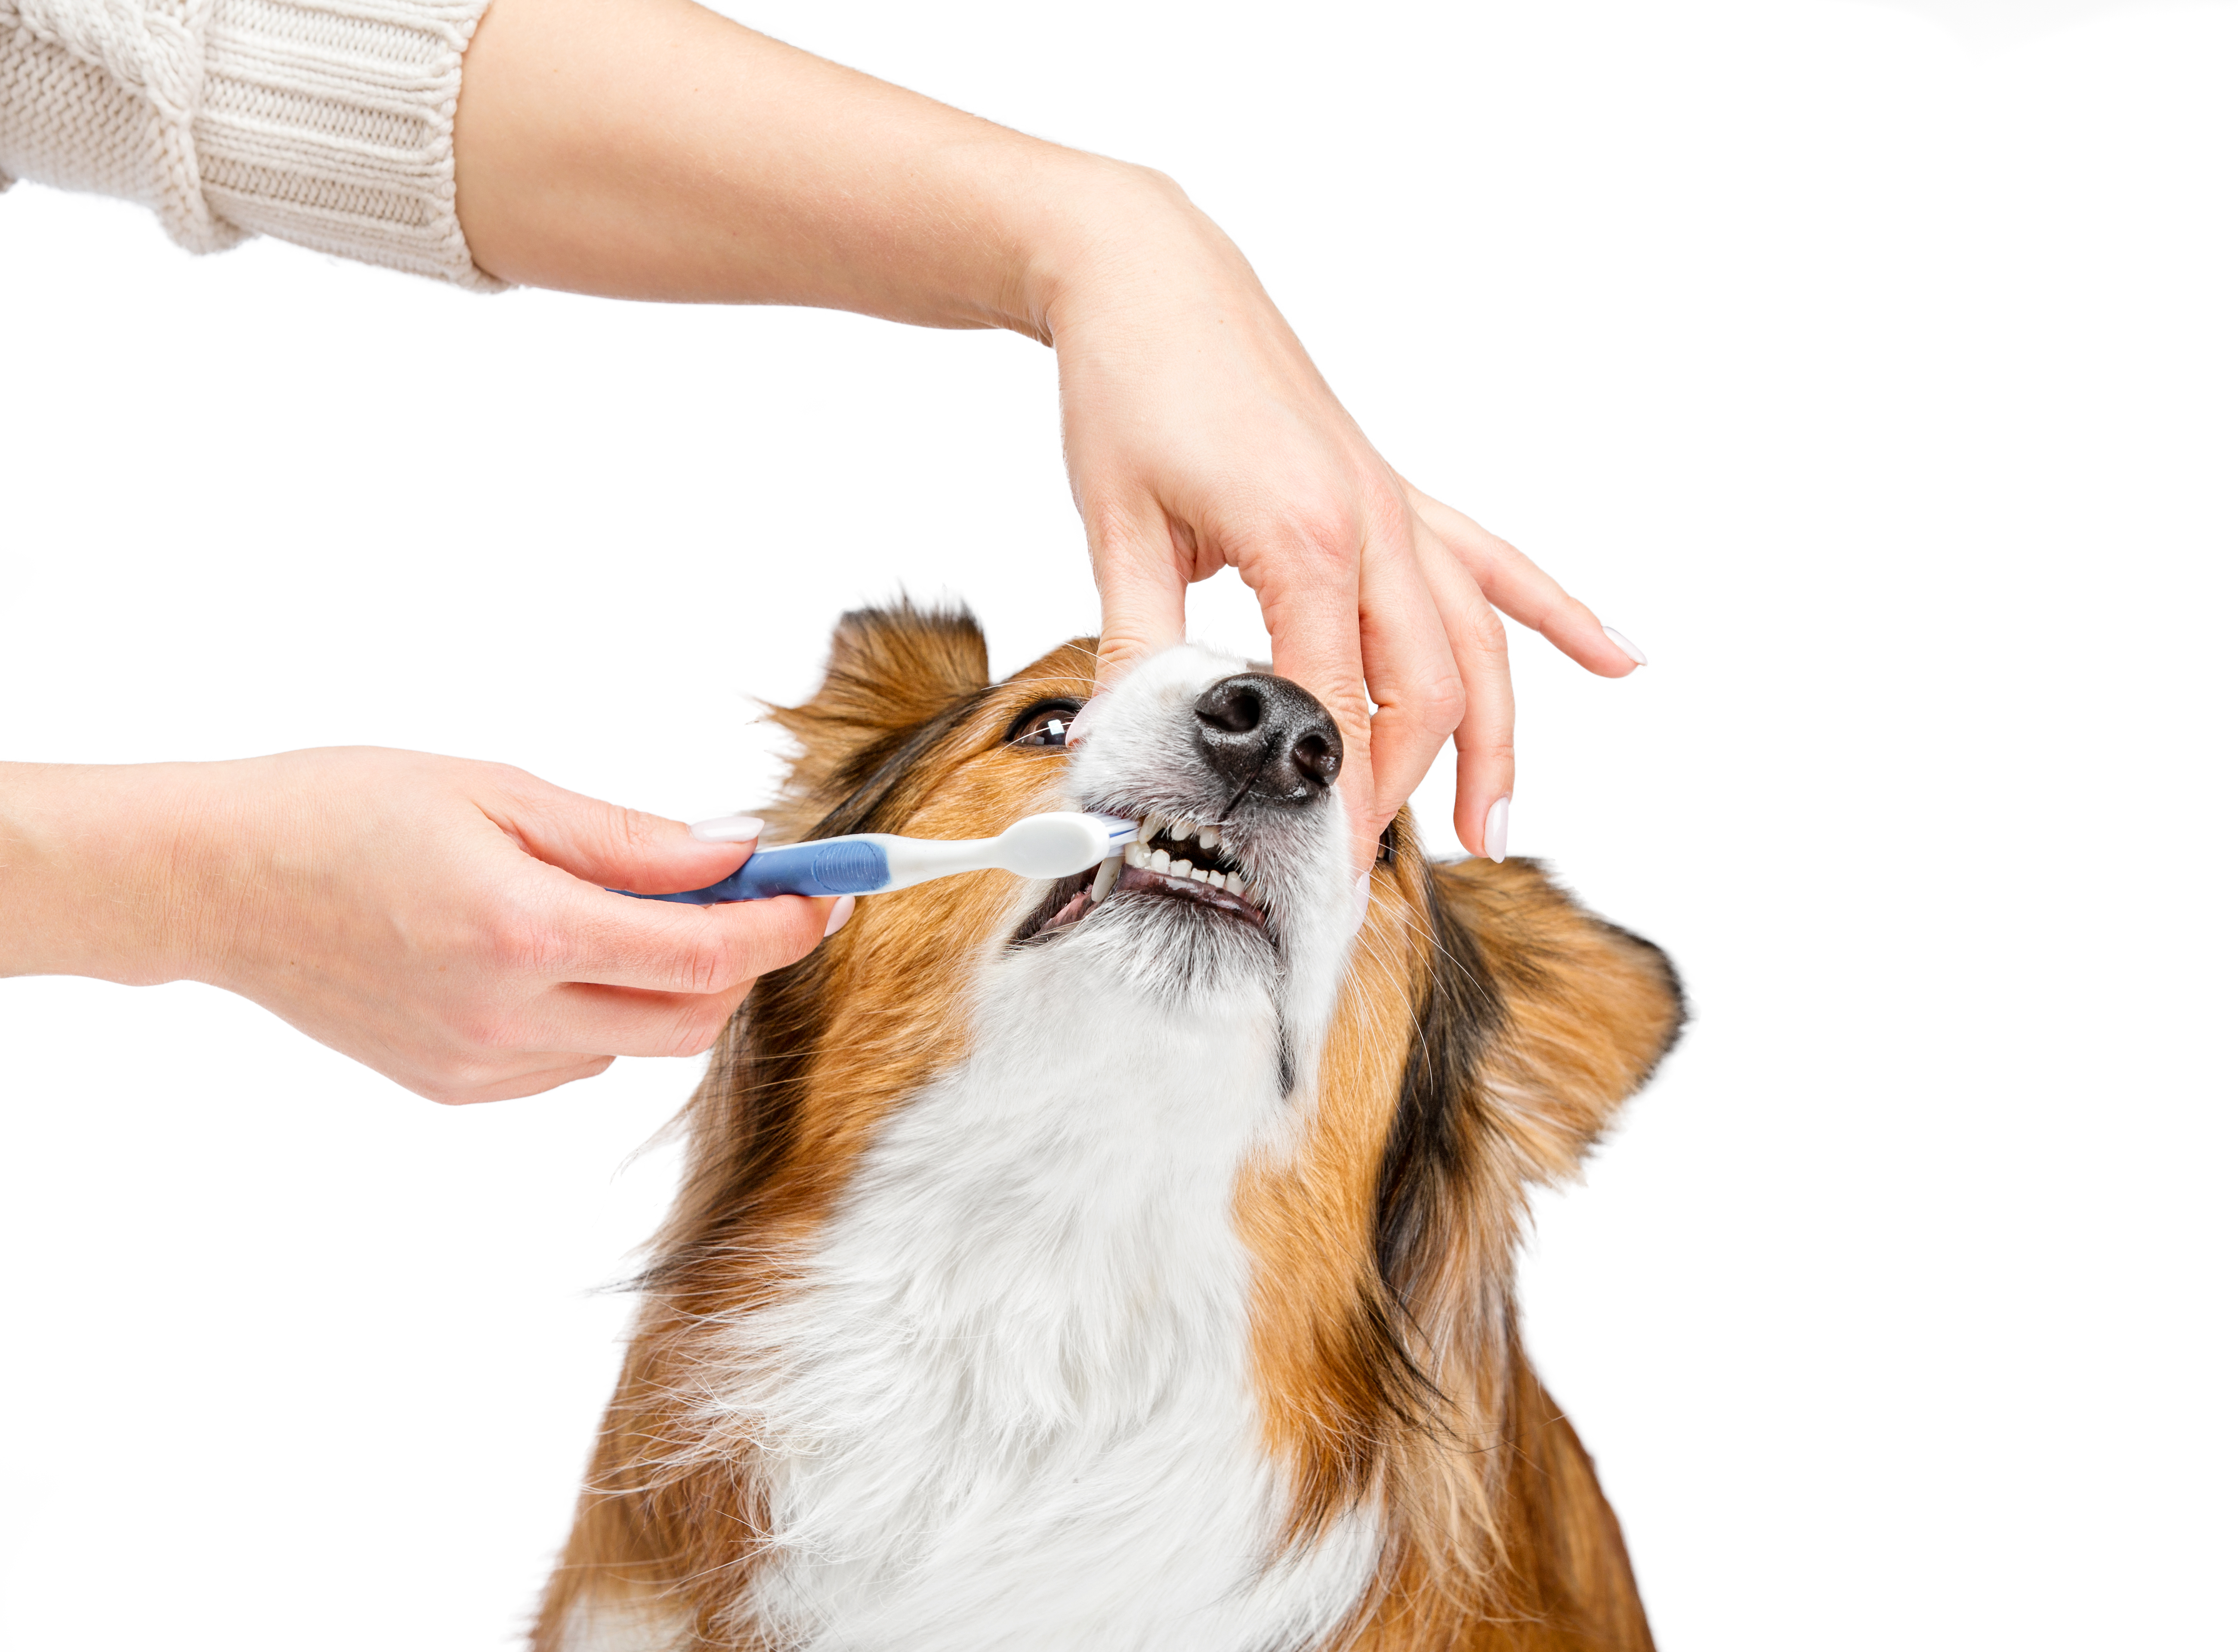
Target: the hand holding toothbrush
(446, 922)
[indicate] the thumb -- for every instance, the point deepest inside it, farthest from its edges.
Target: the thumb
(1143, 588)
(606, 844)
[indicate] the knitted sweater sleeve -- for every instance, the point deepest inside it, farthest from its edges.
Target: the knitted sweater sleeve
(325, 122)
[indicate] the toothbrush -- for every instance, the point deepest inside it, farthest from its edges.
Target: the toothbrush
(870, 862)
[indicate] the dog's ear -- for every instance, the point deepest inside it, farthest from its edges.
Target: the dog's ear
(891, 669)
(1578, 1014)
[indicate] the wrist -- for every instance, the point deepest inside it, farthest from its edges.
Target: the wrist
(1099, 229)
(102, 873)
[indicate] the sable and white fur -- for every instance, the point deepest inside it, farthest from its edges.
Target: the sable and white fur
(980, 1355)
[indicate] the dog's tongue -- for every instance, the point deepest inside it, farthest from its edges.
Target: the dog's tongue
(1070, 911)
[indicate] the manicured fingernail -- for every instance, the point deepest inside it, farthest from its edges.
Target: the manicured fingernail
(727, 828)
(842, 909)
(1495, 831)
(1077, 731)
(1631, 649)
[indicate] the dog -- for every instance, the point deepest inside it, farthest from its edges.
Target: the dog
(1119, 1263)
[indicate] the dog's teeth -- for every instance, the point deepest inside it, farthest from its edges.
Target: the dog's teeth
(1200, 875)
(1146, 828)
(1106, 876)
(1209, 836)
(1220, 881)
(1160, 860)
(1176, 868)
(1183, 830)
(1134, 854)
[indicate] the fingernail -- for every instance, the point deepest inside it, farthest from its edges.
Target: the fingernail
(1077, 731)
(1495, 831)
(727, 828)
(1631, 649)
(1359, 897)
(842, 909)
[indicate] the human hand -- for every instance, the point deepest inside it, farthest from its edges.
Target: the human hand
(624, 145)
(446, 922)
(1199, 436)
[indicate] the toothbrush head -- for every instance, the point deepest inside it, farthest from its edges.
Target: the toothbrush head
(1059, 845)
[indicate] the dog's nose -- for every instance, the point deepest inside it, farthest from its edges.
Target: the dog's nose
(1269, 737)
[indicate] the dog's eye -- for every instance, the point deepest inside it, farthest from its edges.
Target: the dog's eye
(1043, 725)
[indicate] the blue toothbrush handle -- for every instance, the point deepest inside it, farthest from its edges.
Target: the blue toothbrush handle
(828, 866)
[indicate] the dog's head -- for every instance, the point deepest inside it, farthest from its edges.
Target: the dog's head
(1415, 1068)
(1239, 882)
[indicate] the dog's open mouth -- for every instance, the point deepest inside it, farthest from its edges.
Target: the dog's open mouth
(1170, 859)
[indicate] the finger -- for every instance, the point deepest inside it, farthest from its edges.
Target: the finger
(1309, 597)
(605, 844)
(1142, 585)
(1418, 688)
(566, 930)
(1520, 589)
(1485, 739)
(620, 1020)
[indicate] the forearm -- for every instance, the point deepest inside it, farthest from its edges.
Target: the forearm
(651, 149)
(98, 872)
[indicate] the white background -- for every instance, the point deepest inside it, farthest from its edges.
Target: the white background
(1875, 367)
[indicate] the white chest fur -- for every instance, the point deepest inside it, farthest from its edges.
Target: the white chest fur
(1011, 1404)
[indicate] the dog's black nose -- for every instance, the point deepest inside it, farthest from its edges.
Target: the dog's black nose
(1269, 737)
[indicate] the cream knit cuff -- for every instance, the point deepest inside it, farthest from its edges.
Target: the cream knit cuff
(328, 125)
(325, 122)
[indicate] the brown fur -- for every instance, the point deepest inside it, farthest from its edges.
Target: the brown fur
(1487, 1033)
(1408, 1381)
